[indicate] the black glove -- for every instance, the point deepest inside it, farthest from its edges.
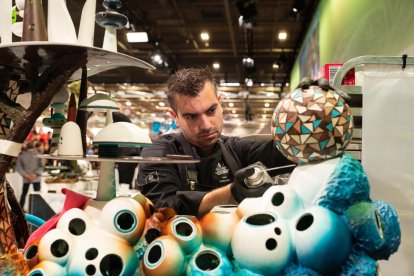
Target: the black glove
(240, 190)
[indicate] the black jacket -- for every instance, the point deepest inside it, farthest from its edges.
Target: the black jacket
(167, 186)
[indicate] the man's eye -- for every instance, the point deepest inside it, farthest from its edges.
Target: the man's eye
(211, 111)
(189, 117)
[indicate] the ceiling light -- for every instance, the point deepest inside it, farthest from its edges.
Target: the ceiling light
(275, 65)
(161, 104)
(204, 36)
(229, 84)
(157, 59)
(249, 82)
(216, 65)
(136, 37)
(247, 9)
(248, 62)
(282, 36)
(298, 6)
(233, 111)
(231, 104)
(266, 104)
(287, 84)
(128, 103)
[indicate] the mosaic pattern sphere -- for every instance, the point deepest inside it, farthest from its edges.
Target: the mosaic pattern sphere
(311, 125)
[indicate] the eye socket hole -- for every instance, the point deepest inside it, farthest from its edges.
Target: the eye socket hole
(154, 254)
(278, 231)
(90, 270)
(304, 222)
(152, 234)
(111, 265)
(260, 219)
(278, 198)
(183, 229)
(91, 254)
(77, 226)
(207, 261)
(59, 248)
(271, 244)
(36, 273)
(125, 221)
(31, 252)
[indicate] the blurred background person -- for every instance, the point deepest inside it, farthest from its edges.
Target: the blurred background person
(30, 168)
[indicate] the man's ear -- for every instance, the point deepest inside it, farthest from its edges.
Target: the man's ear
(173, 115)
(219, 98)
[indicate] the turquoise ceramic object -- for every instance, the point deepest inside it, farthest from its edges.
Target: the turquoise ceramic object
(390, 228)
(347, 185)
(94, 241)
(294, 270)
(359, 263)
(186, 231)
(363, 221)
(312, 124)
(164, 256)
(208, 260)
(322, 239)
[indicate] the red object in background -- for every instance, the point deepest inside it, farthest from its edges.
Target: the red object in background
(328, 71)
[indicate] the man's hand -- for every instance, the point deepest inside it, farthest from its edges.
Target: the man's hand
(240, 190)
(31, 177)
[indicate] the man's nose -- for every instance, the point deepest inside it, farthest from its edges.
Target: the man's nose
(205, 123)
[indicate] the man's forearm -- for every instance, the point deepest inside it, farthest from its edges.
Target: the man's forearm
(215, 197)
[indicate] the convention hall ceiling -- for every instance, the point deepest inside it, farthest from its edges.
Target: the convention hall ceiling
(174, 28)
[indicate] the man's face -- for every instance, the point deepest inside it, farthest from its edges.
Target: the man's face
(200, 118)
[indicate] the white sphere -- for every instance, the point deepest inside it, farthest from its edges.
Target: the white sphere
(283, 200)
(262, 244)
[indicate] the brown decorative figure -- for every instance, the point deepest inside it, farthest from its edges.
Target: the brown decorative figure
(34, 27)
(41, 70)
(42, 76)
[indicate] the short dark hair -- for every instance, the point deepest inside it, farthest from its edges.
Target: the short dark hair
(31, 144)
(120, 117)
(189, 82)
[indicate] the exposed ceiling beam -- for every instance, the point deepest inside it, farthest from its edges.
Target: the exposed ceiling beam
(230, 26)
(181, 17)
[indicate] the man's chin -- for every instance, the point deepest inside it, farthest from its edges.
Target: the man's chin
(207, 141)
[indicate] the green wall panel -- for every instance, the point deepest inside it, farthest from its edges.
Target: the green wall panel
(351, 28)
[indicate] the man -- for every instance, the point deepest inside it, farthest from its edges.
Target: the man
(195, 189)
(30, 168)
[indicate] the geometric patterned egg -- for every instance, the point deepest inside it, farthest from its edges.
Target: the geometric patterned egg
(312, 124)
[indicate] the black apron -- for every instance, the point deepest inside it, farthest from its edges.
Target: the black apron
(216, 159)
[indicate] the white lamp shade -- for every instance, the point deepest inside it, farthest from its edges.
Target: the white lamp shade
(122, 134)
(99, 102)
